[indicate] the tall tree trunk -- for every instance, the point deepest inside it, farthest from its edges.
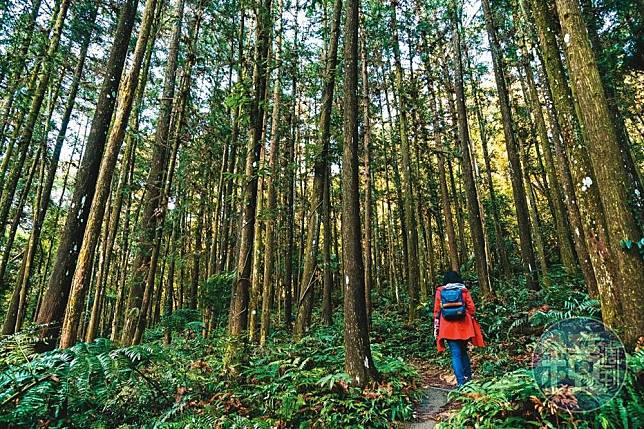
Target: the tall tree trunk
(156, 200)
(609, 77)
(358, 362)
(305, 302)
(13, 320)
(476, 225)
(410, 231)
(55, 300)
(227, 213)
(563, 231)
(238, 319)
(169, 293)
(444, 192)
(622, 304)
(125, 250)
(327, 288)
(498, 230)
(80, 281)
(366, 166)
(289, 178)
(196, 258)
(258, 249)
(580, 206)
(516, 176)
(271, 192)
(129, 154)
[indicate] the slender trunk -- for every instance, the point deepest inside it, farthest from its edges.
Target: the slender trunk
(410, 231)
(563, 231)
(12, 322)
(238, 320)
(258, 249)
(271, 193)
(498, 230)
(169, 292)
(358, 362)
(327, 289)
(156, 199)
(55, 300)
(305, 303)
(82, 271)
(123, 189)
(581, 206)
(196, 259)
(366, 166)
(476, 225)
(290, 213)
(516, 175)
(445, 195)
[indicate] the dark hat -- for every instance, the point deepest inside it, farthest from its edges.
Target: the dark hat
(452, 277)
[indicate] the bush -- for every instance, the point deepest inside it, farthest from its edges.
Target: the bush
(286, 384)
(515, 401)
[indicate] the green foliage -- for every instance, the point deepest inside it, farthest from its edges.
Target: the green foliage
(286, 384)
(520, 311)
(214, 294)
(18, 348)
(396, 338)
(62, 386)
(183, 320)
(514, 400)
(632, 246)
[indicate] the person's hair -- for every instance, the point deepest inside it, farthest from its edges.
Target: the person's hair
(452, 277)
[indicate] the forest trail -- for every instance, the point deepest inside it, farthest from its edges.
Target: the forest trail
(430, 406)
(434, 403)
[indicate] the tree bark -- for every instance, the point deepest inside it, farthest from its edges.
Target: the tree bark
(156, 199)
(305, 302)
(566, 140)
(476, 225)
(238, 319)
(516, 175)
(622, 304)
(80, 281)
(358, 362)
(55, 300)
(410, 228)
(366, 166)
(12, 320)
(271, 192)
(563, 231)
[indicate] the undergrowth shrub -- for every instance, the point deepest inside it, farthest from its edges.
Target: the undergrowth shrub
(284, 385)
(515, 401)
(86, 385)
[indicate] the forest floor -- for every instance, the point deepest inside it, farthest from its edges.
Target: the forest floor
(299, 384)
(434, 404)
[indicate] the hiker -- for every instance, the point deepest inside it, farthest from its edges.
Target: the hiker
(454, 322)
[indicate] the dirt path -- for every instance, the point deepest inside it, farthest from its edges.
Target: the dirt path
(429, 408)
(434, 404)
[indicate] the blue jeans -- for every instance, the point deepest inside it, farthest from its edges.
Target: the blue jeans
(460, 361)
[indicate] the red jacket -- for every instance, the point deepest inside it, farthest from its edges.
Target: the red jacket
(465, 329)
